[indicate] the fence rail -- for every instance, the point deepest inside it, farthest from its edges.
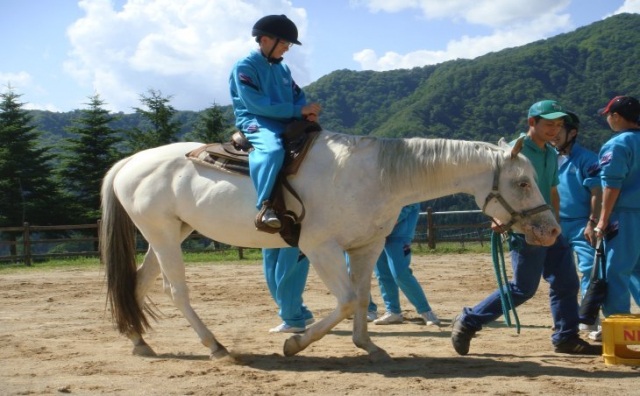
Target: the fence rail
(23, 246)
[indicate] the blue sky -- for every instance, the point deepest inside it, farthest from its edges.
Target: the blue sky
(58, 53)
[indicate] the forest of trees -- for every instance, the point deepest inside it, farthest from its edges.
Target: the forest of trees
(46, 184)
(51, 164)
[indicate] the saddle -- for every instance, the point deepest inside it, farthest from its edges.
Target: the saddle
(233, 157)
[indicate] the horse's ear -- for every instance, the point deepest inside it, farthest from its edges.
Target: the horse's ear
(502, 143)
(517, 147)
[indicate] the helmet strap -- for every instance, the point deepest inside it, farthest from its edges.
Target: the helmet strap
(562, 149)
(268, 56)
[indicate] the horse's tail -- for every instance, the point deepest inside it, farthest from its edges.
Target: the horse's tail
(118, 254)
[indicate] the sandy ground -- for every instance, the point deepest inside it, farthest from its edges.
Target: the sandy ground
(56, 338)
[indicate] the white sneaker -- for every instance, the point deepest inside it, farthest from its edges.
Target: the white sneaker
(371, 316)
(309, 321)
(586, 327)
(596, 335)
(285, 328)
(389, 318)
(430, 318)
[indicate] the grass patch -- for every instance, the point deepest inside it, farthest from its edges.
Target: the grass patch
(422, 249)
(231, 256)
(250, 256)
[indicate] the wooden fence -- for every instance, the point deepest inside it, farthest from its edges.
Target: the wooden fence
(24, 246)
(478, 231)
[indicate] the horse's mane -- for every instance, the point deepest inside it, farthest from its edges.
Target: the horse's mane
(418, 159)
(428, 160)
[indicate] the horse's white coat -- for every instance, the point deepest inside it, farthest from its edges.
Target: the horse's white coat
(353, 189)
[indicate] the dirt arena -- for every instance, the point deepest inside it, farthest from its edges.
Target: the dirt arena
(56, 338)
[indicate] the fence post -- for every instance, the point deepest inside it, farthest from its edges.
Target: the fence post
(26, 244)
(99, 241)
(431, 233)
(240, 253)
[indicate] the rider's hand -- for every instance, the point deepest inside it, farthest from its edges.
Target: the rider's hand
(311, 110)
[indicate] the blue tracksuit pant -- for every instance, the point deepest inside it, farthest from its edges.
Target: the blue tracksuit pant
(623, 264)
(286, 276)
(393, 273)
(573, 230)
(265, 162)
(529, 263)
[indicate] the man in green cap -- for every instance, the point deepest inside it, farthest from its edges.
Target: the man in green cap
(554, 263)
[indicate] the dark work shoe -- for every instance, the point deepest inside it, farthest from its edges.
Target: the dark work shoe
(461, 336)
(577, 346)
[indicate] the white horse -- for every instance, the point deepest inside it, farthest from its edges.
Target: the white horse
(353, 189)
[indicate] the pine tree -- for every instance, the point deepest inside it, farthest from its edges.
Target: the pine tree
(211, 127)
(160, 129)
(88, 154)
(27, 188)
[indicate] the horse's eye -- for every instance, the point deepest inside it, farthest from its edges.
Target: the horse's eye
(524, 184)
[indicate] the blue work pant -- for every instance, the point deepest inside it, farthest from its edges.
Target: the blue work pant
(555, 264)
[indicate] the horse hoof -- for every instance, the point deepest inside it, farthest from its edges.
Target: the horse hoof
(292, 345)
(219, 354)
(143, 350)
(379, 356)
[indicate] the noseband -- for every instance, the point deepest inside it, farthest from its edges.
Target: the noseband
(515, 216)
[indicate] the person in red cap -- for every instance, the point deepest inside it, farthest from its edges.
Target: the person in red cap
(619, 219)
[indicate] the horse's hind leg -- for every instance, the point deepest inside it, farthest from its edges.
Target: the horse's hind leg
(145, 276)
(169, 255)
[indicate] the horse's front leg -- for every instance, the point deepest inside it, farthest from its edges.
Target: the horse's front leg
(362, 262)
(330, 266)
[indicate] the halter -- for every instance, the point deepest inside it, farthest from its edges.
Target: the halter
(515, 216)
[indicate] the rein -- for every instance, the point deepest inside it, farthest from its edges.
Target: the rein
(503, 281)
(515, 216)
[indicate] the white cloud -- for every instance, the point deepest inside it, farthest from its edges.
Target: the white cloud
(630, 6)
(514, 23)
(21, 82)
(493, 13)
(185, 49)
(17, 81)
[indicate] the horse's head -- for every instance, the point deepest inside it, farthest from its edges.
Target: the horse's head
(515, 199)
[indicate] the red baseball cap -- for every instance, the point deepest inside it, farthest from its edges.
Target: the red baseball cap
(627, 106)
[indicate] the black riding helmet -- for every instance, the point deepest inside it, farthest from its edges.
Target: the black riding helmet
(278, 26)
(571, 121)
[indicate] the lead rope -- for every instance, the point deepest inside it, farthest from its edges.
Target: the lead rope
(503, 281)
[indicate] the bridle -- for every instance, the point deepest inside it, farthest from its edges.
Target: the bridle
(515, 216)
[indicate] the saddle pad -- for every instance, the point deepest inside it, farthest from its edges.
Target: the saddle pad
(215, 156)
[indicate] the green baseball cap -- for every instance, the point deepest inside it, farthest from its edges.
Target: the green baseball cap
(547, 109)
